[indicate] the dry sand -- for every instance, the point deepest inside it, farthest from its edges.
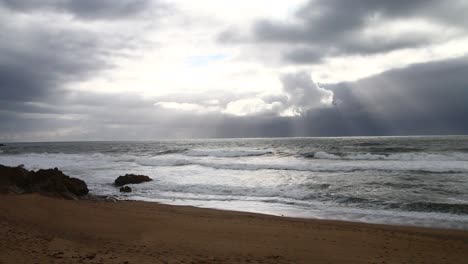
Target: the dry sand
(37, 229)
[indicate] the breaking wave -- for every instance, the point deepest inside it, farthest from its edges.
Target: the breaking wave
(420, 156)
(225, 153)
(171, 151)
(289, 164)
(436, 207)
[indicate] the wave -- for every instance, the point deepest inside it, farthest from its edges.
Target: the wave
(163, 162)
(414, 156)
(436, 207)
(225, 153)
(394, 149)
(449, 208)
(170, 151)
(294, 195)
(368, 144)
(290, 164)
(462, 149)
(324, 162)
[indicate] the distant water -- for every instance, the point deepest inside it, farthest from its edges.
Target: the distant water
(397, 180)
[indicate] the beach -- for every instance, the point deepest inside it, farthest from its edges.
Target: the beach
(39, 229)
(411, 181)
(303, 132)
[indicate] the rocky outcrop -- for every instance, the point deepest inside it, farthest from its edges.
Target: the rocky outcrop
(125, 189)
(49, 182)
(2, 145)
(131, 179)
(13, 179)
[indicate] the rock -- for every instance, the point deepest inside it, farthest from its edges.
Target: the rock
(125, 189)
(53, 181)
(76, 186)
(13, 180)
(49, 182)
(2, 145)
(131, 179)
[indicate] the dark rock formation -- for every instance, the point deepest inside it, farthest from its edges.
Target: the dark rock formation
(2, 145)
(125, 189)
(131, 179)
(49, 182)
(13, 179)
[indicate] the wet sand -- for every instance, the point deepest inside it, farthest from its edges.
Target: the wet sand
(37, 229)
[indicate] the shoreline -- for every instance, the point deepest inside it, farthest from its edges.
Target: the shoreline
(113, 199)
(291, 216)
(88, 231)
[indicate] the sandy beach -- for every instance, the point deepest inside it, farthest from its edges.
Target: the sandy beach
(190, 132)
(38, 229)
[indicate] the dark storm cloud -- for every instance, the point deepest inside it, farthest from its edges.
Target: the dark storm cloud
(35, 61)
(325, 28)
(38, 59)
(44, 52)
(40, 55)
(84, 9)
(428, 98)
(99, 116)
(423, 99)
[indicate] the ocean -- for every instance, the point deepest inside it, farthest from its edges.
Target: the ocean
(419, 181)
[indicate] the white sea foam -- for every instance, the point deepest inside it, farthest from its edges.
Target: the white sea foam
(325, 211)
(164, 161)
(327, 162)
(295, 164)
(415, 156)
(325, 155)
(225, 153)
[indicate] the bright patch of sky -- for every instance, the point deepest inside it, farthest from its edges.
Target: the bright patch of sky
(182, 55)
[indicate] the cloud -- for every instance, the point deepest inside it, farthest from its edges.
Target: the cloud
(303, 94)
(328, 28)
(35, 59)
(299, 95)
(252, 106)
(42, 55)
(189, 107)
(423, 98)
(428, 98)
(57, 57)
(432, 88)
(84, 9)
(47, 48)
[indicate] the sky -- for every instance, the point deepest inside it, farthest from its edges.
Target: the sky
(154, 69)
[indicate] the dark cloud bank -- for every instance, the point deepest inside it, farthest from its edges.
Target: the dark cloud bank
(423, 99)
(430, 98)
(37, 61)
(37, 57)
(83, 9)
(324, 28)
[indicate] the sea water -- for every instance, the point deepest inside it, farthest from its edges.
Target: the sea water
(420, 181)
